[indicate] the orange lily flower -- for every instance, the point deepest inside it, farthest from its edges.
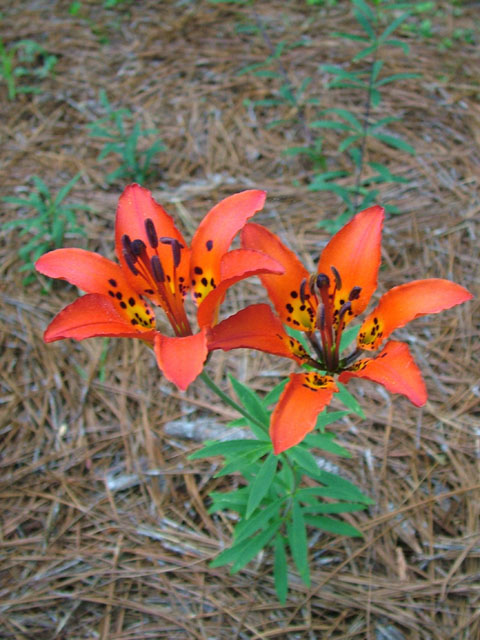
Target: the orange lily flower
(156, 264)
(322, 305)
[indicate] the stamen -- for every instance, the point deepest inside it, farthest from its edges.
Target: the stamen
(303, 285)
(151, 233)
(138, 246)
(354, 293)
(321, 317)
(176, 246)
(323, 281)
(338, 280)
(157, 269)
(351, 358)
(127, 246)
(130, 259)
(343, 310)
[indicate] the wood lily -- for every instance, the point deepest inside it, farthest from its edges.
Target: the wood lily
(157, 265)
(321, 305)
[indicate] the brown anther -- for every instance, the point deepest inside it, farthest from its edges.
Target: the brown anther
(157, 269)
(303, 285)
(138, 246)
(151, 233)
(323, 281)
(127, 246)
(130, 259)
(338, 280)
(176, 248)
(354, 293)
(343, 310)
(168, 240)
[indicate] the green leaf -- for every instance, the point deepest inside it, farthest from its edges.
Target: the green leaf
(348, 400)
(230, 447)
(381, 123)
(349, 335)
(333, 526)
(341, 488)
(233, 500)
(330, 124)
(274, 394)
(246, 528)
(324, 441)
(246, 463)
(385, 175)
(297, 539)
(250, 401)
(261, 484)
(255, 545)
(315, 507)
(342, 73)
(392, 26)
(398, 43)
(343, 146)
(304, 459)
(329, 417)
(376, 68)
(350, 36)
(66, 189)
(364, 8)
(280, 569)
(396, 143)
(346, 115)
(396, 76)
(365, 52)
(241, 554)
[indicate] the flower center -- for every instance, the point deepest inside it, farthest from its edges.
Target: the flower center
(332, 312)
(161, 283)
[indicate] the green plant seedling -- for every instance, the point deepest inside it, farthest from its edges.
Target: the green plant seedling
(122, 140)
(26, 60)
(47, 229)
(354, 129)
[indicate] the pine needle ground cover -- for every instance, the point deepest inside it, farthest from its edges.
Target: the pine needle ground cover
(106, 530)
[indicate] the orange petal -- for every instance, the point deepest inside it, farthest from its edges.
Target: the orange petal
(90, 316)
(355, 253)
(407, 302)
(395, 369)
(295, 415)
(215, 234)
(255, 327)
(235, 266)
(93, 273)
(181, 359)
(135, 206)
(284, 290)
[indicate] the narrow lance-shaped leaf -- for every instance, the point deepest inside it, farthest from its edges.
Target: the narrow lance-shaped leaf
(297, 537)
(261, 484)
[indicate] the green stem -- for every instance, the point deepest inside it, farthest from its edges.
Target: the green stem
(223, 396)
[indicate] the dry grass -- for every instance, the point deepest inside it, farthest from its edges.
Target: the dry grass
(104, 530)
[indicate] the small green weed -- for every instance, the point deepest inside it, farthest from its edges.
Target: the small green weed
(25, 60)
(364, 78)
(53, 221)
(122, 140)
